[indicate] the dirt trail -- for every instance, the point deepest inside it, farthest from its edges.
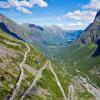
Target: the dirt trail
(21, 74)
(58, 82)
(34, 82)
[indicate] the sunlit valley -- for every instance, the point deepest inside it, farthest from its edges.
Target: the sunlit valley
(48, 62)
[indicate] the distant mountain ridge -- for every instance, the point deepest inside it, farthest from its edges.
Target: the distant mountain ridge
(51, 34)
(31, 32)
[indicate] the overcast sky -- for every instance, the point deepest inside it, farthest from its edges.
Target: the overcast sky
(68, 14)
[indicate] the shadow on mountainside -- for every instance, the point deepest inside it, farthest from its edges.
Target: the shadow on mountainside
(6, 30)
(97, 51)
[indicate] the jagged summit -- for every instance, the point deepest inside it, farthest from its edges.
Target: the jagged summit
(97, 18)
(92, 33)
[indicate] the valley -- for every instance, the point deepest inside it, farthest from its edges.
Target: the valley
(49, 63)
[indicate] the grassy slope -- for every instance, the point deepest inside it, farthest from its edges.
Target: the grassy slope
(86, 63)
(78, 53)
(8, 73)
(48, 82)
(35, 60)
(82, 54)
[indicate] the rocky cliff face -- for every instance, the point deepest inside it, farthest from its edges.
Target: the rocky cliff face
(92, 32)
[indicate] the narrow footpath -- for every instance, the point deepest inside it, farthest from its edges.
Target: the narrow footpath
(14, 93)
(34, 81)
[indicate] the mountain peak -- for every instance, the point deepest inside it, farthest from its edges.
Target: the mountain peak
(1, 14)
(2, 17)
(97, 18)
(92, 33)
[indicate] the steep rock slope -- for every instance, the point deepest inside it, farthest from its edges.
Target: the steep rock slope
(92, 32)
(16, 56)
(12, 28)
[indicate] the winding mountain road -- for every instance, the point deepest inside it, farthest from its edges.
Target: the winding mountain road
(91, 87)
(71, 92)
(21, 74)
(58, 82)
(34, 81)
(87, 77)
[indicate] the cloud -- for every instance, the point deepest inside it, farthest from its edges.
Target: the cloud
(73, 26)
(80, 18)
(24, 10)
(94, 5)
(23, 5)
(79, 15)
(41, 3)
(4, 4)
(87, 14)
